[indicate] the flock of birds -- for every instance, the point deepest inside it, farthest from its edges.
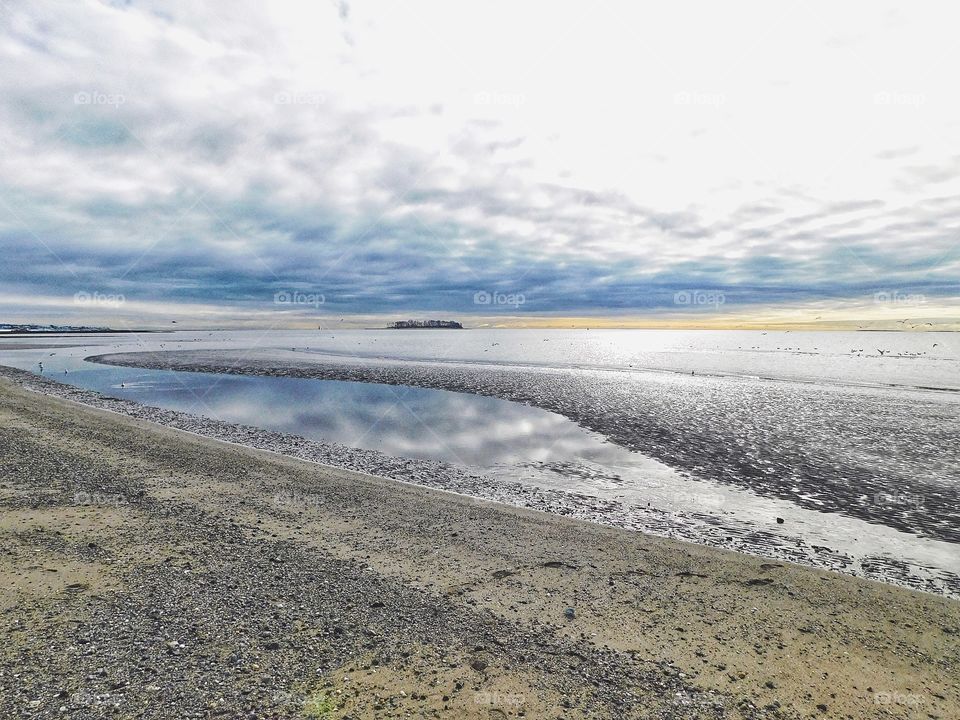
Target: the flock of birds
(854, 351)
(882, 352)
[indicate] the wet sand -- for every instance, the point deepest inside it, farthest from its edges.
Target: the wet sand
(153, 573)
(877, 456)
(573, 494)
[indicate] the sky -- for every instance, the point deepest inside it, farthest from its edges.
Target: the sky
(507, 163)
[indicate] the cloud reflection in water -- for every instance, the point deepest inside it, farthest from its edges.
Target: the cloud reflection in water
(405, 421)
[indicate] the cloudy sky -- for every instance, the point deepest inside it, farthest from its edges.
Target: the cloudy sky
(235, 162)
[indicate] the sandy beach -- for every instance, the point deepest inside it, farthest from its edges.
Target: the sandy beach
(153, 573)
(772, 438)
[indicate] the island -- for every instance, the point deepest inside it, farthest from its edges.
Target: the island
(425, 324)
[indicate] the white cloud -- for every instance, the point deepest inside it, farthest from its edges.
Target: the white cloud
(758, 144)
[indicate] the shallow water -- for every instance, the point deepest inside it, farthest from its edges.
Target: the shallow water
(918, 359)
(516, 442)
(880, 358)
(464, 429)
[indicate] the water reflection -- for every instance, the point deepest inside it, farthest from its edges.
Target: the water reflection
(411, 422)
(504, 440)
(404, 421)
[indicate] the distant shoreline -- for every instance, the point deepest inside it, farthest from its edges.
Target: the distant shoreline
(62, 333)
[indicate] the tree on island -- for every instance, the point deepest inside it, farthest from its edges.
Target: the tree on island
(429, 324)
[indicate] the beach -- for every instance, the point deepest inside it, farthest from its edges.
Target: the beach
(861, 476)
(156, 573)
(480, 362)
